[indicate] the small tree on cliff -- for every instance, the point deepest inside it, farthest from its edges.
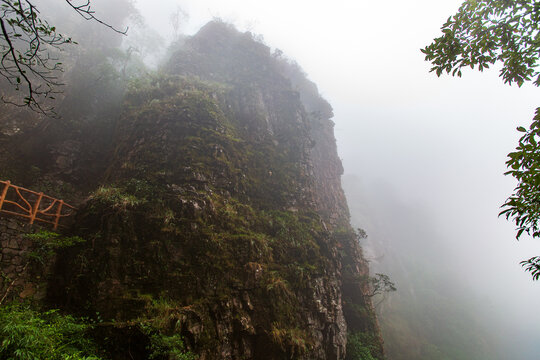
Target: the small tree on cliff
(485, 32)
(26, 45)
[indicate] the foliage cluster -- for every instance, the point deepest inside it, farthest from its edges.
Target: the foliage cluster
(162, 327)
(524, 164)
(361, 346)
(484, 32)
(533, 266)
(380, 284)
(169, 347)
(115, 197)
(523, 206)
(46, 243)
(487, 31)
(27, 334)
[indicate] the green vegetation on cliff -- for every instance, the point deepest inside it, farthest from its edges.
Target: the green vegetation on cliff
(215, 224)
(28, 334)
(201, 234)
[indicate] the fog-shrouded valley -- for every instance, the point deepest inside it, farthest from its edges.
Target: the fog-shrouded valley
(269, 180)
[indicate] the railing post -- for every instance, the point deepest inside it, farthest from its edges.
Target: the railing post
(58, 213)
(4, 192)
(36, 207)
(31, 211)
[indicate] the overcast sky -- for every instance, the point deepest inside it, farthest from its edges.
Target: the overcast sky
(441, 143)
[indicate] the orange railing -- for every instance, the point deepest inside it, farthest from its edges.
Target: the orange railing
(18, 201)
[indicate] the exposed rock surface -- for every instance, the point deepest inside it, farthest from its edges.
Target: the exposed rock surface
(21, 277)
(220, 216)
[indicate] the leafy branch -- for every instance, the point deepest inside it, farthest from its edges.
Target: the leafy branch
(487, 31)
(533, 266)
(523, 206)
(482, 33)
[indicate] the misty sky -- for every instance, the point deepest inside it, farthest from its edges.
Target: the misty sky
(440, 143)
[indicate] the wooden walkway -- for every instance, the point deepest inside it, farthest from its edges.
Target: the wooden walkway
(34, 206)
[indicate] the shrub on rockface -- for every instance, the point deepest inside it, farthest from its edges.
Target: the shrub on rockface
(362, 346)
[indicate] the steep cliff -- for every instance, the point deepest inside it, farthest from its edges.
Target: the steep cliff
(219, 215)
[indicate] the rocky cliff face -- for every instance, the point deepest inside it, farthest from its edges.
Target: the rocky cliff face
(21, 278)
(220, 215)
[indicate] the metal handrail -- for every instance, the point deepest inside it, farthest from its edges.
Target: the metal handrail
(34, 206)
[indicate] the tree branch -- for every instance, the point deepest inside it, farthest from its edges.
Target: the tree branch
(24, 55)
(88, 14)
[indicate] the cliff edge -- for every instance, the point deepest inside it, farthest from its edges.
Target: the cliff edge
(218, 215)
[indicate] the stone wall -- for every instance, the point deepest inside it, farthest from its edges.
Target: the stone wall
(21, 277)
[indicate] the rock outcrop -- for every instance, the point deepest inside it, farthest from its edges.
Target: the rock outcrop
(220, 215)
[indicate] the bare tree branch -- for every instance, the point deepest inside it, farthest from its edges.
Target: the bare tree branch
(26, 41)
(88, 14)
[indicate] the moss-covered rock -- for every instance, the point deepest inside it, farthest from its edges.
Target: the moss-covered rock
(221, 220)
